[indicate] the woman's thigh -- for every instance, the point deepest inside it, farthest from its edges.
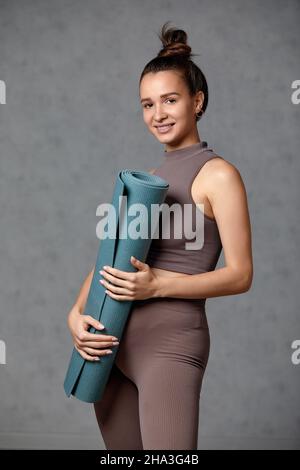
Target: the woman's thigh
(117, 413)
(169, 398)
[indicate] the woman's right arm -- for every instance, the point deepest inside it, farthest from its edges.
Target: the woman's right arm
(83, 293)
(89, 345)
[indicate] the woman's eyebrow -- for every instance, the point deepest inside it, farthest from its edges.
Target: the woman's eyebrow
(162, 96)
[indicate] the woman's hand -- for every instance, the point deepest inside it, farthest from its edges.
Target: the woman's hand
(123, 285)
(89, 345)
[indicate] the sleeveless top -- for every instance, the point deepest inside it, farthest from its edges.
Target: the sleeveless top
(179, 168)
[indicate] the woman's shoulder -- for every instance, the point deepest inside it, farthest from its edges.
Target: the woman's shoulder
(219, 166)
(218, 173)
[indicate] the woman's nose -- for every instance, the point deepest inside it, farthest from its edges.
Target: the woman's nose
(159, 114)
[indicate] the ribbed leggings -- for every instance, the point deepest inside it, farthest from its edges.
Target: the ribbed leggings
(152, 397)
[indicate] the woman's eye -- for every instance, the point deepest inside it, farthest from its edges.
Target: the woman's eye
(169, 99)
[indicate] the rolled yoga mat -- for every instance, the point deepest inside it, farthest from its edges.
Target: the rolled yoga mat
(86, 380)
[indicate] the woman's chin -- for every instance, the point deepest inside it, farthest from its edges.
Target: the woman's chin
(166, 138)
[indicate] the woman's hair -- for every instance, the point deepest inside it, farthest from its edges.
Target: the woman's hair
(176, 55)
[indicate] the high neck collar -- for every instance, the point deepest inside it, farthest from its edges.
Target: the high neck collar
(188, 151)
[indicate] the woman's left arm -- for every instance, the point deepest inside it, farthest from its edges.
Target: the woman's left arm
(228, 199)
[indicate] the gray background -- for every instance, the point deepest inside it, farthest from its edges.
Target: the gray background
(72, 119)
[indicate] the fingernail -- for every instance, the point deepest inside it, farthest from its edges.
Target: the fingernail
(97, 359)
(101, 327)
(109, 352)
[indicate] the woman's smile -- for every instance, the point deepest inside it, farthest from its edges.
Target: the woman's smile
(164, 128)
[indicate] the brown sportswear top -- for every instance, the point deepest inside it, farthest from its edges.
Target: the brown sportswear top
(179, 168)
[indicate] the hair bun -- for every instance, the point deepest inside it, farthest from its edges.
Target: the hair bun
(174, 42)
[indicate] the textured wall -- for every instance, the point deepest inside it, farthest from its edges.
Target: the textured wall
(72, 118)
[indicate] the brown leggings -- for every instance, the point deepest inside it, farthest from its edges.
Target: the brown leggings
(151, 400)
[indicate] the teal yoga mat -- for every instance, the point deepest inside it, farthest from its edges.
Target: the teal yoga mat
(86, 380)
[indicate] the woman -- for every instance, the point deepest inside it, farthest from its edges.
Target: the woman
(151, 400)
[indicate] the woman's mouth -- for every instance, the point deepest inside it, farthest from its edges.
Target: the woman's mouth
(165, 128)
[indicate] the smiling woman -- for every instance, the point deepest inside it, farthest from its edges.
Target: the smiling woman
(152, 397)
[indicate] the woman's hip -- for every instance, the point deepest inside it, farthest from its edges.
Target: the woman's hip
(165, 331)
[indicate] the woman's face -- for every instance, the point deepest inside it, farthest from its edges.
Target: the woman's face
(165, 101)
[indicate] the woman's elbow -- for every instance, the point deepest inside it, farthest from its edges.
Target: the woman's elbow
(246, 280)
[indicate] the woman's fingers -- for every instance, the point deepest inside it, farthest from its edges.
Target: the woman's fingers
(92, 354)
(118, 281)
(91, 345)
(98, 345)
(86, 336)
(85, 355)
(95, 352)
(117, 290)
(93, 322)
